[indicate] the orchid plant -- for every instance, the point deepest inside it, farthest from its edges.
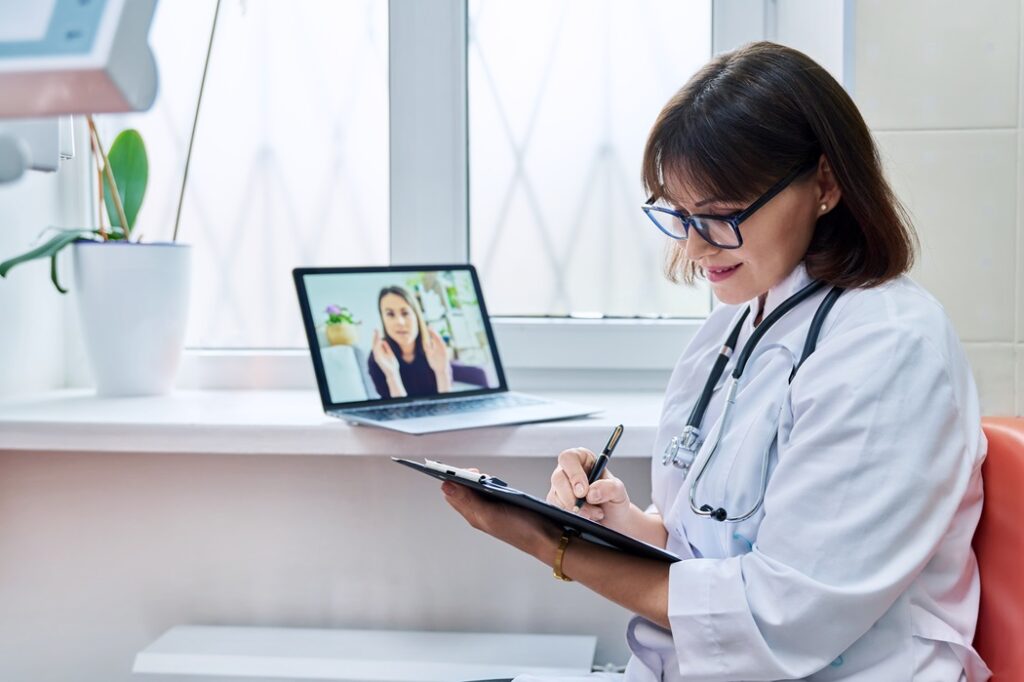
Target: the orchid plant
(339, 315)
(126, 168)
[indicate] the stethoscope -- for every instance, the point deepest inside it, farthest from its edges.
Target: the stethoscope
(682, 449)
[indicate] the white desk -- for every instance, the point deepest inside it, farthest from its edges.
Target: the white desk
(362, 655)
(144, 514)
(293, 422)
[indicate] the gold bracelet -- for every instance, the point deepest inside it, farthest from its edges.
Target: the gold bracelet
(559, 555)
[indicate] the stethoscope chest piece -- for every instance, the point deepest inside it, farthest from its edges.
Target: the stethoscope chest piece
(682, 449)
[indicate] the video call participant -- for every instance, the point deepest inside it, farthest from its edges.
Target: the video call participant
(411, 359)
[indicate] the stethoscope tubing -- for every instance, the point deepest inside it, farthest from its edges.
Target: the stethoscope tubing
(692, 430)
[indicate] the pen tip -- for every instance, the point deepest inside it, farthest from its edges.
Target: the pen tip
(614, 440)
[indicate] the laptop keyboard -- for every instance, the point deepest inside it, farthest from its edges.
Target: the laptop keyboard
(441, 408)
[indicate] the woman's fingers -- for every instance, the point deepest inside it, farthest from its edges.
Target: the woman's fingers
(433, 340)
(568, 502)
(561, 490)
(592, 512)
(576, 462)
(459, 500)
(608, 490)
(479, 512)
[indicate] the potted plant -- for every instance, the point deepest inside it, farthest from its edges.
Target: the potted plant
(341, 326)
(132, 296)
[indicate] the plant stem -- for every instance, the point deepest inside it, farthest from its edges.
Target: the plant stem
(99, 181)
(109, 175)
(195, 120)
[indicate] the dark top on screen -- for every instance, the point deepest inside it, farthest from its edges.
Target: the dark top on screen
(417, 376)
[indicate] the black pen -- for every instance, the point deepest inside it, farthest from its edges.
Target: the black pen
(602, 462)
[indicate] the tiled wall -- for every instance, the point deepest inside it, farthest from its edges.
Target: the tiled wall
(941, 83)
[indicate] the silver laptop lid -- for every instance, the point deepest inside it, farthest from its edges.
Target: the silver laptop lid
(433, 337)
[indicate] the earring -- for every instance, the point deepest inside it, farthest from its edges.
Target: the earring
(824, 207)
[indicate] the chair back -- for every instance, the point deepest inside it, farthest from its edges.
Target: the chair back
(999, 546)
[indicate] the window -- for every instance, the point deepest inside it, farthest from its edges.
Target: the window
(561, 97)
(289, 164)
(335, 132)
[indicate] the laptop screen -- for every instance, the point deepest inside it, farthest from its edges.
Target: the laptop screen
(397, 334)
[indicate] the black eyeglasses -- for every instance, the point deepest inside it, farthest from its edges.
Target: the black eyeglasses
(722, 231)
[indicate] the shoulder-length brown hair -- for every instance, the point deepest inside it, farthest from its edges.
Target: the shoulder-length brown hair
(748, 118)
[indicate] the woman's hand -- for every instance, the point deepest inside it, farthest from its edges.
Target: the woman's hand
(437, 358)
(607, 500)
(437, 352)
(638, 584)
(388, 363)
(520, 528)
(384, 355)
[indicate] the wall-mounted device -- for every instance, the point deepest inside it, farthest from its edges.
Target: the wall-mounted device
(61, 57)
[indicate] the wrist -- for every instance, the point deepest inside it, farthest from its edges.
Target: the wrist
(545, 544)
(395, 387)
(648, 527)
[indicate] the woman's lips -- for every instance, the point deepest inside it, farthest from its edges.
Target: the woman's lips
(717, 274)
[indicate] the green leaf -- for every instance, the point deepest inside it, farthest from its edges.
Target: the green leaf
(46, 250)
(130, 167)
(53, 274)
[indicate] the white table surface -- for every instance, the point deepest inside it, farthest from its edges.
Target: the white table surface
(362, 655)
(293, 422)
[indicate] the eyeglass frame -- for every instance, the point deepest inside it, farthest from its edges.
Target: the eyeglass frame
(733, 219)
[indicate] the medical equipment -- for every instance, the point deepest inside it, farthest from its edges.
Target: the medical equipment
(62, 57)
(682, 449)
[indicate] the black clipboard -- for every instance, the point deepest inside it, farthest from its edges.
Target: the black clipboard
(584, 528)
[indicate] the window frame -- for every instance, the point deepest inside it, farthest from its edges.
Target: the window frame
(429, 221)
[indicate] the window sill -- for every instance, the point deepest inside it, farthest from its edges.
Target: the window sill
(538, 355)
(261, 422)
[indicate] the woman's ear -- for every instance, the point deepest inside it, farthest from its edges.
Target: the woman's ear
(827, 186)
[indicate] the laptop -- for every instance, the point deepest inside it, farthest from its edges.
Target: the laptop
(410, 348)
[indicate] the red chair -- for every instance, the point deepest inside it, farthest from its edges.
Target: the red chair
(999, 546)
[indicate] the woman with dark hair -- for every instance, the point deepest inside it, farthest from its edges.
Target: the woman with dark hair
(821, 484)
(411, 358)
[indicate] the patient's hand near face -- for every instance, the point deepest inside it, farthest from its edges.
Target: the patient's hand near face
(388, 363)
(437, 358)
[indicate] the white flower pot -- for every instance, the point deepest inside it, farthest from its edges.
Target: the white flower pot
(133, 307)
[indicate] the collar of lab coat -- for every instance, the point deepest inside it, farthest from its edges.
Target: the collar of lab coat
(791, 284)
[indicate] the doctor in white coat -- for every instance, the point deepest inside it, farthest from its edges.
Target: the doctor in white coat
(825, 528)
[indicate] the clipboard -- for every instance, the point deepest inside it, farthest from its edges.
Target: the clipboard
(584, 528)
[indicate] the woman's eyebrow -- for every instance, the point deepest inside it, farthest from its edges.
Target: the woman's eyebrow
(709, 200)
(702, 202)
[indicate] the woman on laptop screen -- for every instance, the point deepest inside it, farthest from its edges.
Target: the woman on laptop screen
(411, 358)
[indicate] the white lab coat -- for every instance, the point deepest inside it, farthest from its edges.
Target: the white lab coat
(858, 566)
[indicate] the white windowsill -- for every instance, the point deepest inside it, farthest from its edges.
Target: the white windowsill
(293, 423)
(538, 355)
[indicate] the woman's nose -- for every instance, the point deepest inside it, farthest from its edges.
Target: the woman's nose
(697, 247)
